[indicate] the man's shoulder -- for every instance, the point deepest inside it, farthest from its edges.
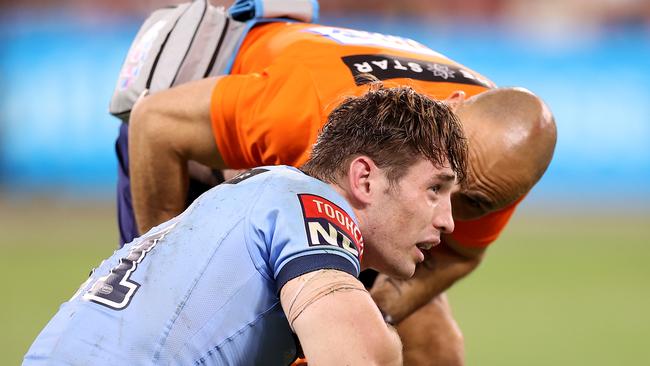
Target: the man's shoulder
(279, 180)
(287, 183)
(275, 171)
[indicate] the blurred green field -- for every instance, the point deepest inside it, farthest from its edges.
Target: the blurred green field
(557, 289)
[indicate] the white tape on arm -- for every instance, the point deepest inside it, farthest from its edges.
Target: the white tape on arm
(314, 286)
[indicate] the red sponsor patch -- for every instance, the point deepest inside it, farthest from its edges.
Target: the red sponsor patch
(328, 224)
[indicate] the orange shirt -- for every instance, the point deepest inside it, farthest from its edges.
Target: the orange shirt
(287, 77)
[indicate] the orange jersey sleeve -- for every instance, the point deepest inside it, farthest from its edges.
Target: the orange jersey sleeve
(485, 230)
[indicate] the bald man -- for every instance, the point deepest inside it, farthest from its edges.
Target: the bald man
(285, 79)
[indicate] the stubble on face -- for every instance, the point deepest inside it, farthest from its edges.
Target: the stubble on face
(397, 225)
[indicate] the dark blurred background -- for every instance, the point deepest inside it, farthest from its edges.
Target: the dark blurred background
(568, 283)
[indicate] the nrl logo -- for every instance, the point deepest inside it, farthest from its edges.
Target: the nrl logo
(328, 224)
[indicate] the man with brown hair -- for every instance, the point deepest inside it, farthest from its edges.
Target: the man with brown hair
(276, 250)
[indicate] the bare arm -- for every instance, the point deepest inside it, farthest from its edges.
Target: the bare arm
(166, 131)
(337, 322)
(447, 263)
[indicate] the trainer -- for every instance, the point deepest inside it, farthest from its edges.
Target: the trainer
(285, 79)
(276, 250)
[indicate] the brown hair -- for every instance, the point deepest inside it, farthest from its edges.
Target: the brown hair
(394, 127)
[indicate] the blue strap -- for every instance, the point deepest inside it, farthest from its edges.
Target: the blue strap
(244, 10)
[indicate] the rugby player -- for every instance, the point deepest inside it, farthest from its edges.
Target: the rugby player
(285, 79)
(276, 250)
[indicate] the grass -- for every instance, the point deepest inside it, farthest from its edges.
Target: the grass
(560, 290)
(554, 290)
(47, 250)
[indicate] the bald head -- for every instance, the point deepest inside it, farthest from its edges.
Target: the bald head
(512, 136)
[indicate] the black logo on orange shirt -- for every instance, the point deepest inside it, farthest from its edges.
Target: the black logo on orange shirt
(328, 224)
(385, 67)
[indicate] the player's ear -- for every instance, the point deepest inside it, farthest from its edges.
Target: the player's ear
(455, 99)
(361, 172)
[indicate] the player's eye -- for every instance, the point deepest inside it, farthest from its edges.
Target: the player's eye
(473, 202)
(435, 189)
(479, 203)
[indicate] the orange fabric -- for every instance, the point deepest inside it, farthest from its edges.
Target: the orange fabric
(485, 230)
(288, 76)
(300, 362)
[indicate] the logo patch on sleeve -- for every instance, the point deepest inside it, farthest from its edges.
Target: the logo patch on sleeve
(328, 224)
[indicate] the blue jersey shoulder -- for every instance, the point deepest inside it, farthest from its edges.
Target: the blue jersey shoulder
(301, 224)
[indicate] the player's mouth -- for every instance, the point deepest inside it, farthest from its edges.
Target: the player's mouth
(428, 244)
(421, 250)
(419, 254)
(424, 247)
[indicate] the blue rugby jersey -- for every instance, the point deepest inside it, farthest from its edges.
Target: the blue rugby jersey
(203, 288)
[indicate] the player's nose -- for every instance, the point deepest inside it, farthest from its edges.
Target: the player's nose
(443, 220)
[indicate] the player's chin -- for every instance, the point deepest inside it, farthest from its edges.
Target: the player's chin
(404, 270)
